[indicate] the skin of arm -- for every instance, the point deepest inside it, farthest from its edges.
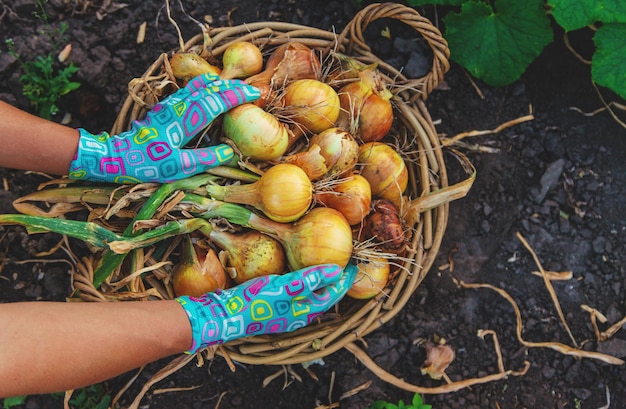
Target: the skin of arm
(53, 346)
(33, 143)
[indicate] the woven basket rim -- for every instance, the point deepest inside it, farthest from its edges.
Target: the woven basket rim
(429, 187)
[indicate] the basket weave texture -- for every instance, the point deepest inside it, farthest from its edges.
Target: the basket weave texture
(427, 169)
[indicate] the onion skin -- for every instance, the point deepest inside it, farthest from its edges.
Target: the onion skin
(250, 254)
(188, 65)
(385, 226)
(284, 193)
(311, 161)
(199, 272)
(312, 104)
(340, 150)
(352, 197)
(289, 62)
(257, 134)
(241, 60)
(385, 169)
(371, 278)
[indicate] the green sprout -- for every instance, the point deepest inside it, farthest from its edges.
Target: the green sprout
(44, 80)
(416, 403)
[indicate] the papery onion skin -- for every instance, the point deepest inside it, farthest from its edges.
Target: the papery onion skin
(251, 254)
(385, 169)
(311, 161)
(312, 104)
(371, 278)
(199, 272)
(340, 150)
(241, 60)
(188, 65)
(288, 62)
(352, 197)
(257, 134)
(284, 193)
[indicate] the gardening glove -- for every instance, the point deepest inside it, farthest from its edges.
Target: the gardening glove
(152, 150)
(266, 305)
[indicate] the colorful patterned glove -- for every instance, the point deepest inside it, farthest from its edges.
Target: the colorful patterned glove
(151, 151)
(266, 305)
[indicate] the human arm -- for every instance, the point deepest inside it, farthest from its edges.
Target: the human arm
(33, 143)
(152, 150)
(49, 347)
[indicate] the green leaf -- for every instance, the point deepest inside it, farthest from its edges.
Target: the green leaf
(497, 46)
(418, 3)
(8, 403)
(608, 64)
(575, 14)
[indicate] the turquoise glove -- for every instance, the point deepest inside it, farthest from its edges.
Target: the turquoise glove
(266, 305)
(151, 151)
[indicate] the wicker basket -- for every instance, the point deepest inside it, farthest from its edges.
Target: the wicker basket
(428, 177)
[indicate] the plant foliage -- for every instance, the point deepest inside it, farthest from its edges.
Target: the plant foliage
(45, 80)
(496, 43)
(416, 403)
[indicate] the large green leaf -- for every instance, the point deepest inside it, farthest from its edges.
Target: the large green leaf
(498, 45)
(418, 3)
(608, 65)
(575, 14)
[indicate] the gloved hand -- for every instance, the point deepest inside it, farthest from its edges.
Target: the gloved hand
(266, 305)
(151, 151)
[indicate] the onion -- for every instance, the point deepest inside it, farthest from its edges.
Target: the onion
(385, 169)
(311, 161)
(351, 196)
(199, 271)
(250, 254)
(284, 193)
(257, 134)
(289, 62)
(365, 106)
(340, 150)
(188, 65)
(321, 236)
(312, 104)
(241, 60)
(384, 225)
(370, 279)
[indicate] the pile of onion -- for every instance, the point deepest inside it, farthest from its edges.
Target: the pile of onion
(324, 177)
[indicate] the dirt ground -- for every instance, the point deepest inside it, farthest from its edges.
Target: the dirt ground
(558, 180)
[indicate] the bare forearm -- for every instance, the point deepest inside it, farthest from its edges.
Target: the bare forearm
(33, 143)
(48, 347)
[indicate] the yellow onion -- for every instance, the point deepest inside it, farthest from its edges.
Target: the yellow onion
(351, 196)
(198, 272)
(365, 106)
(311, 104)
(241, 60)
(289, 62)
(384, 169)
(321, 236)
(249, 254)
(371, 278)
(339, 149)
(257, 134)
(283, 193)
(187, 65)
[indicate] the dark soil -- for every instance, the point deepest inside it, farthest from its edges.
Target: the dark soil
(559, 180)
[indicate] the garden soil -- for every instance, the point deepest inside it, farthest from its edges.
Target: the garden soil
(558, 181)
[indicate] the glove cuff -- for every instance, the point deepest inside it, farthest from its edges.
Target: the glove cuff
(88, 161)
(203, 330)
